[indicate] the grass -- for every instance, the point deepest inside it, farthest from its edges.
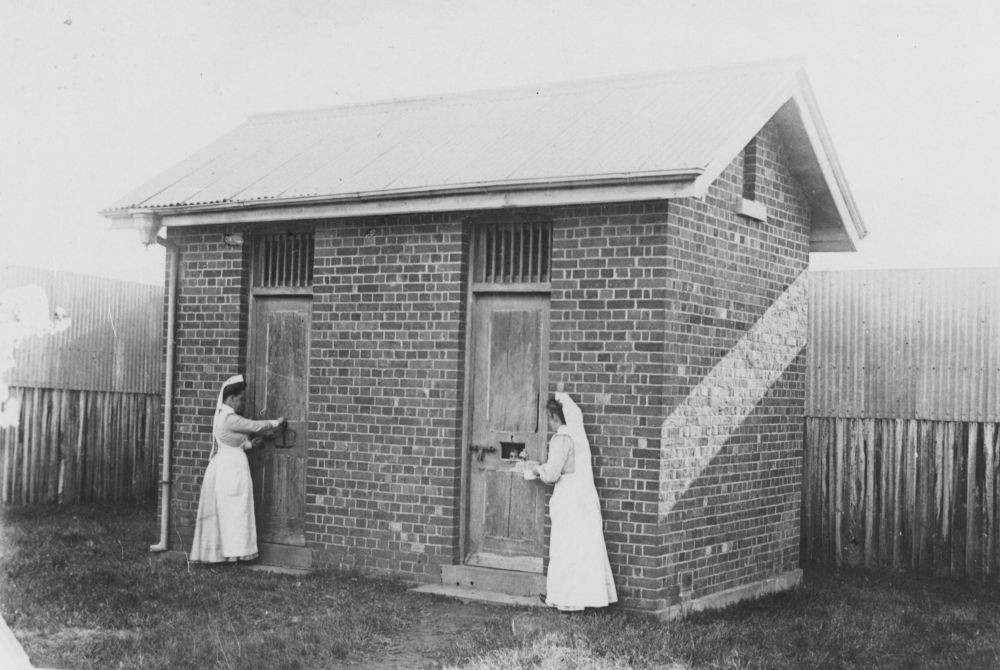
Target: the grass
(80, 590)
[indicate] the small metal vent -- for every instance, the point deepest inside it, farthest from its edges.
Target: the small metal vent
(283, 260)
(513, 253)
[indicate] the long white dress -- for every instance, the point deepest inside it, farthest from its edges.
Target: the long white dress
(226, 529)
(579, 573)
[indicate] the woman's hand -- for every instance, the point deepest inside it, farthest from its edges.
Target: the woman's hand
(252, 443)
(527, 469)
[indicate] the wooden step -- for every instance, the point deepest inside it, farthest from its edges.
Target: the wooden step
(296, 559)
(285, 556)
(511, 582)
(479, 595)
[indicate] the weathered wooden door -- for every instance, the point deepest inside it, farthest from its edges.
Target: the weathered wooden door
(510, 363)
(279, 360)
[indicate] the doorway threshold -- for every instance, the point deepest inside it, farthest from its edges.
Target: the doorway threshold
(285, 556)
(478, 595)
(278, 569)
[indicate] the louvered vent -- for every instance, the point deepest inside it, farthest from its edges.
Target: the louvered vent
(283, 260)
(513, 253)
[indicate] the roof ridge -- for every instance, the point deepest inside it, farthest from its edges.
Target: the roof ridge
(794, 64)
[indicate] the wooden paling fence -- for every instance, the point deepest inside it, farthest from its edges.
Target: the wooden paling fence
(81, 446)
(906, 494)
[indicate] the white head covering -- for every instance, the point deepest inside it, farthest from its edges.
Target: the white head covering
(574, 424)
(235, 379)
(574, 419)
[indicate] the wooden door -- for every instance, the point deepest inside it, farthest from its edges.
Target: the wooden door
(279, 385)
(510, 362)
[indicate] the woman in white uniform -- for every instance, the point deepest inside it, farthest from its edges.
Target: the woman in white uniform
(579, 573)
(225, 529)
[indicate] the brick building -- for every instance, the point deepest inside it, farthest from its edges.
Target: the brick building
(409, 281)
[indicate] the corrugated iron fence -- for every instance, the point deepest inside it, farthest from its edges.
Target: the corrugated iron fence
(902, 439)
(89, 395)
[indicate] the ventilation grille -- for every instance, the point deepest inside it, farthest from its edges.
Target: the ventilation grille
(751, 162)
(513, 253)
(283, 260)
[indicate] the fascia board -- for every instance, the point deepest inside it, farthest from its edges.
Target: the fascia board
(826, 156)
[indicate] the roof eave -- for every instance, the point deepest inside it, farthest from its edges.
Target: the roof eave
(480, 197)
(847, 209)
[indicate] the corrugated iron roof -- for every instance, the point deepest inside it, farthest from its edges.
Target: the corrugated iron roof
(653, 127)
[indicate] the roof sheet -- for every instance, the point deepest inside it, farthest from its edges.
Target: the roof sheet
(645, 126)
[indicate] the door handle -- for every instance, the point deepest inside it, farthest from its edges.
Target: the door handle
(473, 448)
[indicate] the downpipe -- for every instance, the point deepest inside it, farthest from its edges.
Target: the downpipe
(168, 405)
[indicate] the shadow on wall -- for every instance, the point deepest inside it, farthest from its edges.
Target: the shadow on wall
(737, 521)
(732, 459)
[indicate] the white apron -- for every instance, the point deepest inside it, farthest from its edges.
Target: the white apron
(579, 572)
(225, 529)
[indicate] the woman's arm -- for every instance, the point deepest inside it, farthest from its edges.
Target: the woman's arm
(239, 424)
(560, 448)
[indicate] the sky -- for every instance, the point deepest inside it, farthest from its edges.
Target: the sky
(97, 96)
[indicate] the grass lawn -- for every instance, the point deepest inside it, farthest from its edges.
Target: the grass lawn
(80, 590)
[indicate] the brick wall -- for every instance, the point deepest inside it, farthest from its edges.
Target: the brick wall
(608, 321)
(211, 326)
(732, 435)
(388, 338)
